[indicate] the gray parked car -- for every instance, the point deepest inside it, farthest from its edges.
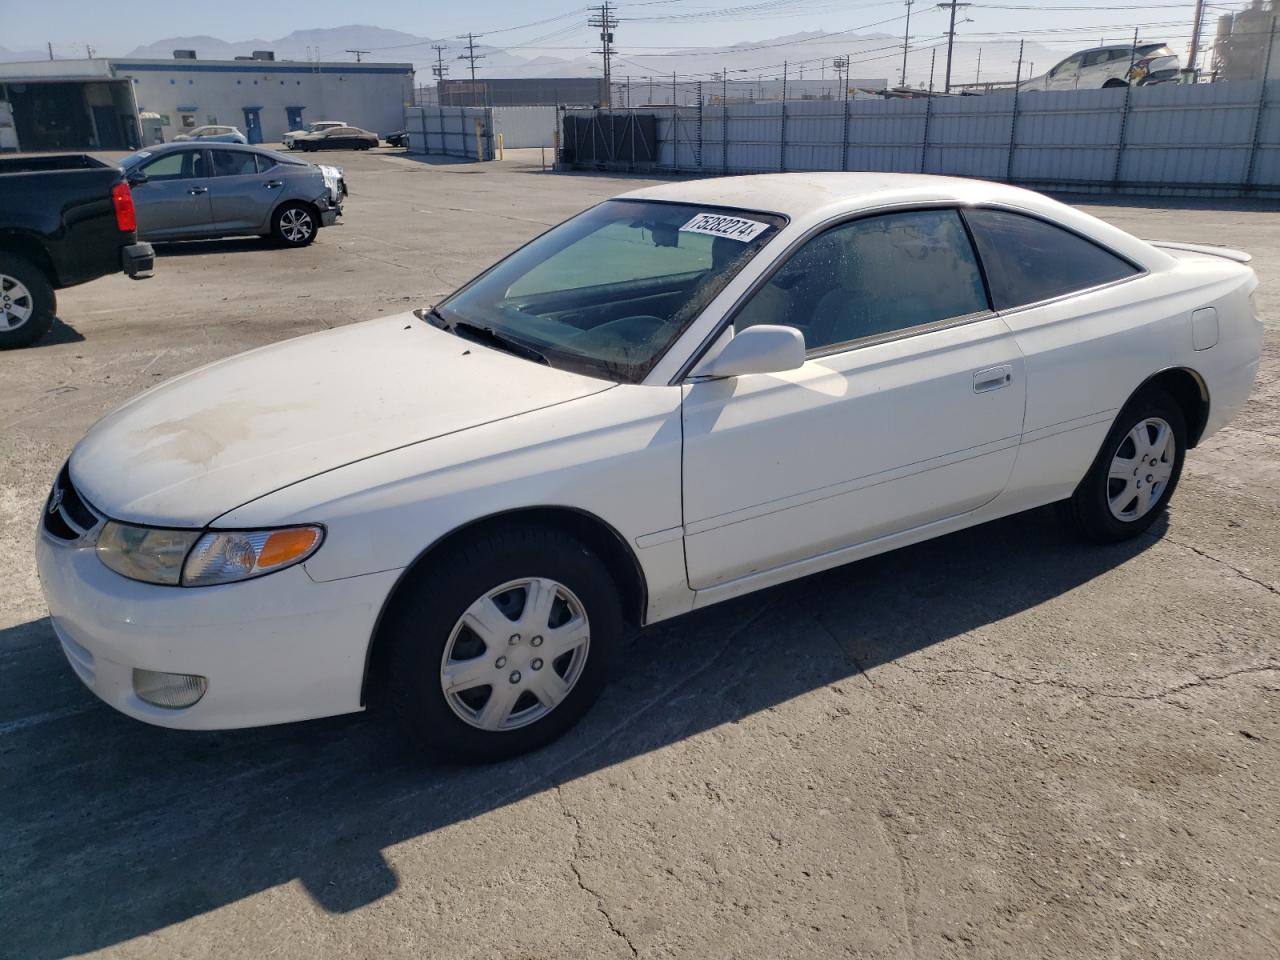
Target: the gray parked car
(188, 191)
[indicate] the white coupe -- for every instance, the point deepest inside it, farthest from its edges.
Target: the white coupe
(684, 394)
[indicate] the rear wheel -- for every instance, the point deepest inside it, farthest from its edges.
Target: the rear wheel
(295, 224)
(500, 645)
(27, 303)
(1135, 472)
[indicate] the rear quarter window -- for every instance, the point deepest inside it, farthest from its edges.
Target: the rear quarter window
(1028, 260)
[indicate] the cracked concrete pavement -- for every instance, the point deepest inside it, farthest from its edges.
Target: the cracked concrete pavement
(998, 744)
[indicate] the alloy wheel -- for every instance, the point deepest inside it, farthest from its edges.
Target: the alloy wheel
(296, 225)
(515, 654)
(1141, 468)
(16, 305)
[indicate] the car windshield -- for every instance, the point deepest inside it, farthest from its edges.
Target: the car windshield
(606, 293)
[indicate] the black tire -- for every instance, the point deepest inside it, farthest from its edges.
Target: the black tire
(1089, 509)
(1113, 83)
(431, 600)
(295, 224)
(25, 288)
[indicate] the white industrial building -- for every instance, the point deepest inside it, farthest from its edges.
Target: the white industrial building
(99, 104)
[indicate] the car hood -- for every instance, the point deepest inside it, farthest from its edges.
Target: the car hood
(189, 450)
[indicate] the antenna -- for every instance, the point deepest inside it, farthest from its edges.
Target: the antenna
(359, 54)
(607, 22)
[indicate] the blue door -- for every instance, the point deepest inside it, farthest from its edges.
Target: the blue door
(252, 125)
(295, 118)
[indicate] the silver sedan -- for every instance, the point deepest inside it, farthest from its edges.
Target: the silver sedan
(188, 191)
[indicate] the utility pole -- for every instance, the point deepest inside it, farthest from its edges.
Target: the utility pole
(841, 67)
(359, 54)
(50, 43)
(933, 59)
(977, 77)
(1195, 38)
(471, 57)
(951, 36)
(607, 22)
(906, 40)
(439, 70)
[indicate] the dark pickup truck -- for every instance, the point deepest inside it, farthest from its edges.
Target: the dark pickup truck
(64, 220)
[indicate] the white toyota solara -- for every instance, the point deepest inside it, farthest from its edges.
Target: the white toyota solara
(681, 395)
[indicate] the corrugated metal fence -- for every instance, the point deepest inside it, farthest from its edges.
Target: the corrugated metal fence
(452, 131)
(1204, 139)
(525, 126)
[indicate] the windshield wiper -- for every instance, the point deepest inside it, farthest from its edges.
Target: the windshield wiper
(495, 338)
(482, 334)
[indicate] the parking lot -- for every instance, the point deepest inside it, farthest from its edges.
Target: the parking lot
(1002, 743)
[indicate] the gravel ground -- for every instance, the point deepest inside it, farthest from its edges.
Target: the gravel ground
(997, 744)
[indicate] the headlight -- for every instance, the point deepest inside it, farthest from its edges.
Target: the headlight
(226, 556)
(145, 553)
(195, 559)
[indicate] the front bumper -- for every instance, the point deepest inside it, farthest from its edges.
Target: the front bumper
(275, 649)
(138, 260)
(329, 217)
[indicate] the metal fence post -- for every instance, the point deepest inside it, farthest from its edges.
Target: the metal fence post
(782, 123)
(1013, 120)
(1261, 110)
(924, 140)
(699, 157)
(844, 138)
(1124, 113)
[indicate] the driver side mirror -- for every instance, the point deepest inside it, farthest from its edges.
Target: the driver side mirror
(763, 348)
(137, 179)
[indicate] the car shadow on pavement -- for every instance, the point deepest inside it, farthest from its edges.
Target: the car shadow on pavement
(114, 829)
(61, 332)
(193, 248)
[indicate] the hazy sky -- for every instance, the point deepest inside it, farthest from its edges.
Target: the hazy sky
(558, 27)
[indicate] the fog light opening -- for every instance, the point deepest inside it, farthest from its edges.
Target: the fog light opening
(173, 691)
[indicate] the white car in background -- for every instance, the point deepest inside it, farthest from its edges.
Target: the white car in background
(289, 138)
(213, 133)
(1110, 66)
(684, 394)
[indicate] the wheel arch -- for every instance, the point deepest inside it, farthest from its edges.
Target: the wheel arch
(29, 248)
(294, 201)
(620, 561)
(1190, 392)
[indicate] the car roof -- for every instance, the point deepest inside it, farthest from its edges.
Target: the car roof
(811, 199)
(197, 145)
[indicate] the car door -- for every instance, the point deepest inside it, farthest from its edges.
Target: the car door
(173, 202)
(1094, 69)
(1066, 75)
(1085, 335)
(241, 197)
(907, 411)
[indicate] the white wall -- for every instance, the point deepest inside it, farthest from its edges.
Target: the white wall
(371, 95)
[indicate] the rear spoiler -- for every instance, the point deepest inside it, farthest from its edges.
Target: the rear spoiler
(1213, 250)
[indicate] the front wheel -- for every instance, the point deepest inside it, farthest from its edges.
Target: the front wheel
(294, 225)
(27, 303)
(502, 644)
(1135, 472)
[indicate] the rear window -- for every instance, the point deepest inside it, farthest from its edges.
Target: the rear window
(1028, 260)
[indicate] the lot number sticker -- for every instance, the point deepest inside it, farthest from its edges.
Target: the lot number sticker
(718, 225)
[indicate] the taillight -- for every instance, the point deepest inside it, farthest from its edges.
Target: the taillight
(126, 218)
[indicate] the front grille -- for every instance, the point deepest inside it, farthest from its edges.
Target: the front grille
(67, 515)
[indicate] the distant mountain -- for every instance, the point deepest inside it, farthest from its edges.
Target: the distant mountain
(808, 55)
(22, 56)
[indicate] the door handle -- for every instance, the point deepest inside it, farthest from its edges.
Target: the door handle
(274, 183)
(196, 191)
(992, 378)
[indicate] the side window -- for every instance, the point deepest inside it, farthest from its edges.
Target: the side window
(264, 163)
(1028, 260)
(171, 166)
(1096, 57)
(871, 277)
(233, 163)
